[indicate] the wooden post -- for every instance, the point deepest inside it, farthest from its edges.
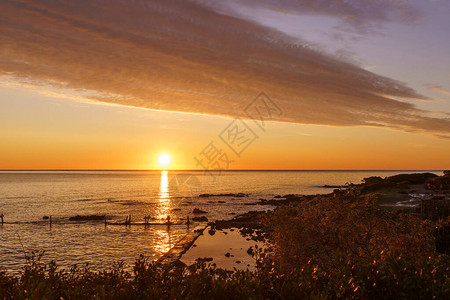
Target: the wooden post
(105, 221)
(51, 221)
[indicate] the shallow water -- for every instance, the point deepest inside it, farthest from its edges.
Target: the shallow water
(26, 197)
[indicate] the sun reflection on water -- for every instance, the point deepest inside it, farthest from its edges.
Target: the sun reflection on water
(164, 205)
(163, 236)
(163, 240)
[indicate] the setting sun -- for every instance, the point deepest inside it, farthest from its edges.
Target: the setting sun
(164, 159)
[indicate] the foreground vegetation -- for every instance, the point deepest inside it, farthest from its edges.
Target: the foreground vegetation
(337, 246)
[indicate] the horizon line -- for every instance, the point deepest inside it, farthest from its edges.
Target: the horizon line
(197, 170)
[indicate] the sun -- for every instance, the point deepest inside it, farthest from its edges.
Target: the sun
(164, 159)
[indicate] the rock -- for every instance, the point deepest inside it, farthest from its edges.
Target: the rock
(238, 261)
(200, 219)
(227, 254)
(45, 217)
(199, 211)
(87, 218)
(416, 178)
(220, 201)
(224, 195)
(373, 179)
(334, 186)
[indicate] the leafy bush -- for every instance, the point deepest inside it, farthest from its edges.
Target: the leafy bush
(321, 249)
(324, 229)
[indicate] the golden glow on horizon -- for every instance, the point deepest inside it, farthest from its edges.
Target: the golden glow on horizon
(46, 136)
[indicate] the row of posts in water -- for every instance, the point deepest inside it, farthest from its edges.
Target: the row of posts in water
(127, 220)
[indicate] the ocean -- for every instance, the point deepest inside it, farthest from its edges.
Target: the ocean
(26, 197)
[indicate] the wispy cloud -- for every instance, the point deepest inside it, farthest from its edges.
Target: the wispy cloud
(361, 16)
(184, 56)
(438, 89)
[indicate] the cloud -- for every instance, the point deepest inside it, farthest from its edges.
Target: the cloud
(359, 16)
(438, 89)
(185, 56)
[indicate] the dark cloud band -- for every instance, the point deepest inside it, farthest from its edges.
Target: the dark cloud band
(185, 56)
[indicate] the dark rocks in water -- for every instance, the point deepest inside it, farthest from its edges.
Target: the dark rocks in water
(415, 178)
(250, 219)
(250, 250)
(220, 201)
(240, 195)
(376, 183)
(200, 219)
(367, 188)
(199, 211)
(87, 218)
(45, 217)
(204, 259)
(212, 232)
(246, 231)
(373, 179)
(278, 196)
(238, 261)
(224, 195)
(334, 186)
(227, 254)
(288, 199)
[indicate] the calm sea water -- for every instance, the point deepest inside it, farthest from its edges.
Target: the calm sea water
(26, 197)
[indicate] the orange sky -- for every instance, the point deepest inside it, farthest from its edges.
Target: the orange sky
(42, 132)
(111, 85)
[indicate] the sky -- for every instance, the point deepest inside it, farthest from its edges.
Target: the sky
(239, 84)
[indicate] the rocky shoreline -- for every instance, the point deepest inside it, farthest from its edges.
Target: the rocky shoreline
(390, 193)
